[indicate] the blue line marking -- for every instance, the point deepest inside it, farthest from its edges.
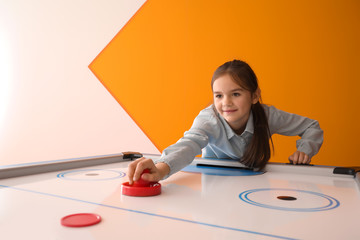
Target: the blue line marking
(149, 213)
(220, 171)
(333, 203)
(63, 175)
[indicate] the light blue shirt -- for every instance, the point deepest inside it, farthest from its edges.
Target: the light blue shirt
(212, 136)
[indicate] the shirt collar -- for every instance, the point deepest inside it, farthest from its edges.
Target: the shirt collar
(230, 133)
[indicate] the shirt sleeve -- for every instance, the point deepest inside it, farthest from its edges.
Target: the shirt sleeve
(290, 124)
(183, 152)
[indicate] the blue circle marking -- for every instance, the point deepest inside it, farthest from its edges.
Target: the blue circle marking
(220, 171)
(81, 175)
(331, 203)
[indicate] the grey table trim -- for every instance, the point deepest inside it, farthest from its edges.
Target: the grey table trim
(11, 171)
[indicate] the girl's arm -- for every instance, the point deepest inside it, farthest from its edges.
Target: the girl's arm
(173, 159)
(289, 124)
(179, 155)
(182, 153)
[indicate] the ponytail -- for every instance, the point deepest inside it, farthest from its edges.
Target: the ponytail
(258, 152)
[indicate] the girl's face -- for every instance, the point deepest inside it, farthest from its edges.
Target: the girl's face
(233, 102)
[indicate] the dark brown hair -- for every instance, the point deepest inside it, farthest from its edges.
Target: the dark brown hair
(258, 151)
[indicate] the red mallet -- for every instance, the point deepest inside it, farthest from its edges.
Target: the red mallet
(141, 187)
(141, 182)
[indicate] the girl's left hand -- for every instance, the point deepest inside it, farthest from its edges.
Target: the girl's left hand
(300, 158)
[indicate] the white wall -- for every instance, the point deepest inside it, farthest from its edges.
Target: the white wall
(51, 105)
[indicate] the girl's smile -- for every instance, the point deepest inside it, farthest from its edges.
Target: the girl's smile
(229, 111)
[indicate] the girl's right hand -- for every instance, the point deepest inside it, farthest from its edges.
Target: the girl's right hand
(156, 174)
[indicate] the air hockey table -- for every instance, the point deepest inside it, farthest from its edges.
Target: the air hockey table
(210, 199)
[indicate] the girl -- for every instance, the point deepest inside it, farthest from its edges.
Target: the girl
(235, 126)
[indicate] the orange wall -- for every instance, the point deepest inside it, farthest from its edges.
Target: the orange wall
(305, 54)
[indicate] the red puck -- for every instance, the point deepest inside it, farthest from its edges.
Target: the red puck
(80, 220)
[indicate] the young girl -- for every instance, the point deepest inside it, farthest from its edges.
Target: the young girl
(235, 126)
